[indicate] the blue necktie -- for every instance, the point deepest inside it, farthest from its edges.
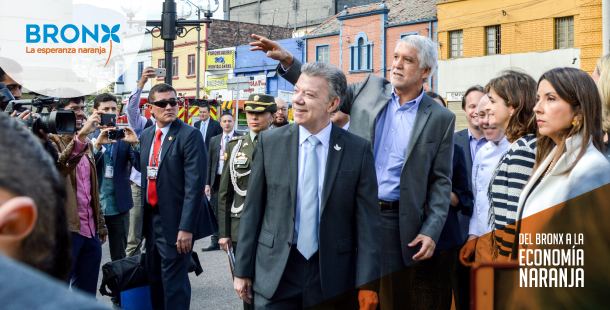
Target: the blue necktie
(307, 242)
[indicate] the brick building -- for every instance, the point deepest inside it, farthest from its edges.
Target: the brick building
(361, 40)
(480, 38)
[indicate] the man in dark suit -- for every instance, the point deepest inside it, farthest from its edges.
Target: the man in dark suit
(176, 213)
(470, 139)
(112, 159)
(216, 158)
(209, 128)
(412, 139)
(310, 226)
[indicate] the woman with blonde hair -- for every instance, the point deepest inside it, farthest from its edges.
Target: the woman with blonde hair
(570, 144)
(601, 76)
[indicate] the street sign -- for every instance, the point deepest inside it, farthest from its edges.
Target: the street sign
(455, 96)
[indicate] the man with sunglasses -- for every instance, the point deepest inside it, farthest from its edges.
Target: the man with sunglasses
(86, 222)
(176, 213)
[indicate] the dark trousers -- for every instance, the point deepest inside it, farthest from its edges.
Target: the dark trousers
(118, 230)
(461, 284)
(299, 287)
(215, 190)
(432, 281)
(395, 291)
(86, 260)
(167, 269)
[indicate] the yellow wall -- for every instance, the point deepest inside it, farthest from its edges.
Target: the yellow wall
(182, 48)
(526, 26)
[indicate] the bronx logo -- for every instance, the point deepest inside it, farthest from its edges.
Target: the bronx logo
(50, 31)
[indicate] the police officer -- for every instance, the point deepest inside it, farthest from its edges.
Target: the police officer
(234, 180)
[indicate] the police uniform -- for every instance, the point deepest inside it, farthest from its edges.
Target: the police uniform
(236, 172)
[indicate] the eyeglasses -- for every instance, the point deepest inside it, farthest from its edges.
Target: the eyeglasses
(163, 103)
(282, 109)
(76, 109)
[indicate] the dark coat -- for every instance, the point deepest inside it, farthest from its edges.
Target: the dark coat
(461, 138)
(182, 203)
(350, 220)
(451, 236)
(122, 155)
(213, 157)
(213, 130)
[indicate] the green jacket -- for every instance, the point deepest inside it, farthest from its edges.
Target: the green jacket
(230, 201)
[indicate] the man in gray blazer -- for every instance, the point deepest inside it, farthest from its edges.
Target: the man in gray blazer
(412, 136)
(311, 226)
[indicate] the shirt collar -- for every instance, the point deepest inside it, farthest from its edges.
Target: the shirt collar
(407, 104)
(471, 136)
(252, 135)
(323, 135)
(230, 134)
(164, 130)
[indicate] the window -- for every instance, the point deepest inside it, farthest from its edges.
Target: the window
(564, 32)
(492, 39)
(161, 63)
(361, 54)
(191, 70)
(323, 53)
(175, 67)
(456, 41)
(140, 69)
(402, 35)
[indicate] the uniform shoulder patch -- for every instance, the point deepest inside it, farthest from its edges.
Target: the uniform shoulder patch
(234, 138)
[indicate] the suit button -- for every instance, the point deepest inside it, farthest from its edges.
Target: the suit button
(289, 244)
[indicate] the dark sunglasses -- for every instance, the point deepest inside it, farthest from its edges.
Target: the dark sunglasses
(163, 103)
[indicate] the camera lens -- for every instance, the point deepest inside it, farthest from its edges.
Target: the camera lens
(57, 122)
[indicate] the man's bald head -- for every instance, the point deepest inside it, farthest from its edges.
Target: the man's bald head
(280, 118)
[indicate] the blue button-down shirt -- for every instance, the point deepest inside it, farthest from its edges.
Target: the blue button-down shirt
(392, 134)
(475, 145)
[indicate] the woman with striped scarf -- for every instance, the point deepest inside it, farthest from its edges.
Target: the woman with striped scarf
(512, 99)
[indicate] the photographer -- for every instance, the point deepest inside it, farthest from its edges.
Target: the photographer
(76, 164)
(33, 226)
(112, 158)
(9, 71)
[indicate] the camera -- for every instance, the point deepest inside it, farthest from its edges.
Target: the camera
(116, 134)
(56, 122)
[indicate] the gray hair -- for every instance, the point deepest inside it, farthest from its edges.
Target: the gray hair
(427, 51)
(337, 83)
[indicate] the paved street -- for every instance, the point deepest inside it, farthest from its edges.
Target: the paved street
(213, 289)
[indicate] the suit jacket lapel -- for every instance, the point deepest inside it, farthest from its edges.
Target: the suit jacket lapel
(465, 141)
(385, 94)
(292, 153)
(423, 112)
(169, 139)
(332, 163)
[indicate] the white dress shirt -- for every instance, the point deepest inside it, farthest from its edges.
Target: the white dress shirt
(223, 142)
(322, 151)
(483, 167)
(164, 131)
(346, 126)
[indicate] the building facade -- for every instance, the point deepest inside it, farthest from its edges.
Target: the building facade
(361, 40)
(129, 80)
(221, 34)
(478, 39)
(301, 15)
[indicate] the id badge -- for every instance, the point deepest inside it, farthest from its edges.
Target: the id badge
(109, 174)
(151, 173)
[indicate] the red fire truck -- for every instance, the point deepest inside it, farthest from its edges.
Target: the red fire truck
(187, 109)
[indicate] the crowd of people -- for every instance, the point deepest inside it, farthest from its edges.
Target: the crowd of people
(369, 199)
